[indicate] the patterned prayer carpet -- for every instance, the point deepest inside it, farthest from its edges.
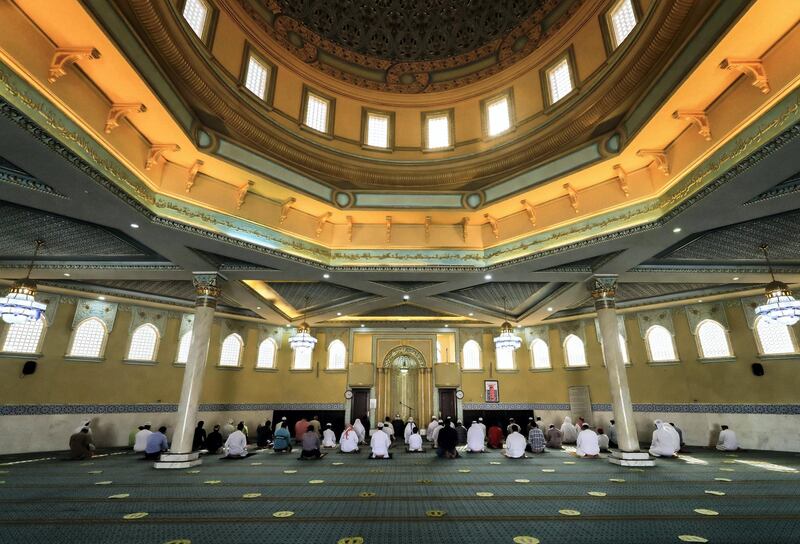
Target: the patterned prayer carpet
(413, 498)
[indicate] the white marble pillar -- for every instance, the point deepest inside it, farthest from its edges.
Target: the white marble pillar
(180, 454)
(603, 293)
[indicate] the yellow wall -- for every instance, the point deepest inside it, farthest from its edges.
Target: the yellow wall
(114, 382)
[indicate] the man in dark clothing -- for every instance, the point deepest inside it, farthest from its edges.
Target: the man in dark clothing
(214, 440)
(462, 434)
(264, 434)
(447, 441)
(399, 427)
(311, 445)
(81, 445)
(199, 440)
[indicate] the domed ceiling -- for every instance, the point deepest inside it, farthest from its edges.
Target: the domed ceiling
(410, 46)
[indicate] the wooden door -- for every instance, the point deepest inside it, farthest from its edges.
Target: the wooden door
(360, 404)
(447, 403)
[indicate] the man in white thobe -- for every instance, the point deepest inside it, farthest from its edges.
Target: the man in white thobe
(727, 440)
(568, 433)
(227, 429)
(435, 432)
(476, 440)
(348, 442)
(141, 438)
(358, 427)
(328, 437)
(665, 441)
(409, 429)
(431, 426)
(482, 426)
(515, 443)
(415, 441)
(380, 443)
(236, 444)
(587, 444)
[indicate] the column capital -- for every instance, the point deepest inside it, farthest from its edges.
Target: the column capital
(206, 288)
(604, 290)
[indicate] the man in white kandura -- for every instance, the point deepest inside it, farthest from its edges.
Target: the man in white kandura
(409, 429)
(482, 426)
(236, 444)
(665, 441)
(515, 443)
(727, 440)
(414, 441)
(328, 437)
(587, 444)
(348, 442)
(431, 426)
(140, 443)
(435, 433)
(476, 440)
(380, 443)
(361, 432)
(568, 433)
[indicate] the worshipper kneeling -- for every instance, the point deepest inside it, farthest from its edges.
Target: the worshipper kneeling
(665, 441)
(536, 439)
(409, 428)
(140, 442)
(447, 440)
(475, 438)
(553, 437)
(328, 437)
(495, 441)
(214, 440)
(727, 440)
(415, 442)
(602, 440)
(282, 440)
(568, 432)
(431, 426)
(156, 443)
(360, 430)
(348, 442)
(462, 434)
(587, 445)
(264, 434)
(379, 444)
(515, 444)
(680, 434)
(236, 444)
(311, 445)
(81, 445)
(199, 439)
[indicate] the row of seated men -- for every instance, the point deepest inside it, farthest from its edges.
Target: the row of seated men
(444, 435)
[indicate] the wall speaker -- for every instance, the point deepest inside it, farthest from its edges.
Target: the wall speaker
(28, 368)
(758, 369)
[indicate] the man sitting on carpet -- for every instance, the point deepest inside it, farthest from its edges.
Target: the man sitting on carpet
(311, 445)
(282, 440)
(475, 438)
(727, 440)
(214, 440)
(348, 442)
(602, 439)
(515, 443)
(328, 437)
(447, 440)
(536, 438)
(140, 441)
(81, 445)
(414, 441)
(156, 443)
(587, 444)
(495, 437)
(380, 443)
(553, 437)
(236, 445)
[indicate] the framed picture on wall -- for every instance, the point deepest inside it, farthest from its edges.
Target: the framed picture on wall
(491, 391)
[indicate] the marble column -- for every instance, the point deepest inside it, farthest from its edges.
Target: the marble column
(604, 293)
(180, 454)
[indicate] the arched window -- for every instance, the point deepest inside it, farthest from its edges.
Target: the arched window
(659, 344)
(183, 348)
(231, 351)
(505, 359)
(623, 348)
(439, 352)
(712, 339)
(302, 359)
(266, 354)
(774, 338)
(337, 354)
(471, 355)
(24, 337)
(88, 339)
(574, 351)
(143, 343)
(540, 353)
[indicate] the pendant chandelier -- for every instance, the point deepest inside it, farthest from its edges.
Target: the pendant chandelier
(507, 339)
(302, 339)
(19, 305)
(780, 306)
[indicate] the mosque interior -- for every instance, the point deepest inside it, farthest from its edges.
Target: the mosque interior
(254, 209)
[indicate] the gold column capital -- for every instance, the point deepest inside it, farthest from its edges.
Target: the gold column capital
(604, 291)
(206, 289)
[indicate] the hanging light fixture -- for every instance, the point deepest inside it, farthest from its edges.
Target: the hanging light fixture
(302, 339)
(507, 339)
(19, 305)
(780, 306)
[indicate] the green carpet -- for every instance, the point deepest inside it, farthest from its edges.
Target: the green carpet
(53, 501)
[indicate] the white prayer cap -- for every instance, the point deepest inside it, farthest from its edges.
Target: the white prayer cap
(146, 423)
(434, 417)
(397, 415)
(480, 419)
(380, 425)
(283, 418)
(410, 419)
(327, 424)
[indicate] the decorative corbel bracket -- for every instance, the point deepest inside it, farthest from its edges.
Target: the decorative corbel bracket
(241, 193)
(493, 223)
(388, 236)
(65, 56)
(349, 228)
(427, 228)
(118, 112)
(530, 211)
(659, 156)
(622, 179)
(286, 207)
(191, 176)
(698, 118)
(156, 153)
(321, 220)
(464, 225)
(753, 68)
(573, 196)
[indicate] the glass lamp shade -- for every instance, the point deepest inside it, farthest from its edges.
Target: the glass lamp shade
(780, 306)
(19, 305)
(507, 338)
(302, 339)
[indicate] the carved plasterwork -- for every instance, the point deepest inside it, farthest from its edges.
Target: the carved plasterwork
(104, 311)
(413, 355)
(156, 317)
(696, 313)
(661, 317)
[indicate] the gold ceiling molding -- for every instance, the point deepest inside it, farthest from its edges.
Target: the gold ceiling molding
(207, 89)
